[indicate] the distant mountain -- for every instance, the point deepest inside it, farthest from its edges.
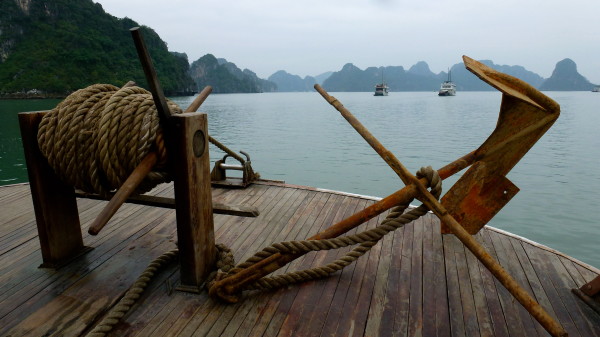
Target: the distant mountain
(566, 78)
(421, 68)
(226, 77)
(322, 77)
(58, 46)
(351, 78)
(288, 82)
(466, 81)
(419, 78)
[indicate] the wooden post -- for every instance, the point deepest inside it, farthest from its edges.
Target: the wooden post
(191, 169)
(54, 202)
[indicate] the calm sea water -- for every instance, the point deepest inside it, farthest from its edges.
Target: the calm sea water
(300, 138)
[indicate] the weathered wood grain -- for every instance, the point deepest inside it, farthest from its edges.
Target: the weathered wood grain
(415, 282)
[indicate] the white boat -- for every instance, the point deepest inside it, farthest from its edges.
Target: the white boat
(448, 88)
(596, 89)
(381, 90)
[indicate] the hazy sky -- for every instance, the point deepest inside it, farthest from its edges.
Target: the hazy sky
(309, 37)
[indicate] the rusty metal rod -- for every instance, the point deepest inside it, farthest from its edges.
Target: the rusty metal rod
(534, 308)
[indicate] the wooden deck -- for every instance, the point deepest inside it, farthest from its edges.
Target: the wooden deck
(415, 282)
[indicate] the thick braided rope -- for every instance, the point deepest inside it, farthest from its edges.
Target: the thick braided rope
(97, 136)
(366, 240)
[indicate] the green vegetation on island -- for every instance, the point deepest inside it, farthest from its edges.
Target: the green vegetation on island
(54, 47)
(226, 77)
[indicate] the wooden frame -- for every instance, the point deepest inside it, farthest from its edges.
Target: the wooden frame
(57, 216)
(54, 202)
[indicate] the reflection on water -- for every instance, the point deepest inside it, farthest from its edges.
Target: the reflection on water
(300, 138)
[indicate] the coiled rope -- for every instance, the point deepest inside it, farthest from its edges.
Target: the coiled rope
(97, 136)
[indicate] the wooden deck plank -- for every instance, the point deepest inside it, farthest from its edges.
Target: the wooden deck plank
(442, 315)
(457, 325)
(43, 288)
(493, 303)
(378, 299)
(387, 292)
(561, 281)
(321, 218)
(311, 297)
(477, 287)
(262, 311)
(515, 268)
(511, 314)
(79, 303)
(335, 289)
(543, 270)
(533, 282)
(26, 271)
(356, 306)
(262, 315)
(575, 274)
(326, 317)
(390, 293)
(275, 224)
(469, 311)
(251, 295)
(428, 278)
(403, 287)
(30, 275)
(415, 308)
(264, 203)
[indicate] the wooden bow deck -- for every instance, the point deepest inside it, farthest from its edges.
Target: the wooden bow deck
(416, 282)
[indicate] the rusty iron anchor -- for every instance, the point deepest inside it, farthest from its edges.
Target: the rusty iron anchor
(525, 115)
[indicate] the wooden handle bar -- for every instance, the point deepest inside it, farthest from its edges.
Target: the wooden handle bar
(199, 99)
(128, 187)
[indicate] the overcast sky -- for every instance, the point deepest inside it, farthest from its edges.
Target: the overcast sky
(309, 37)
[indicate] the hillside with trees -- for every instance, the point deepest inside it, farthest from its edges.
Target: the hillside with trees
(226, 77)
(58, 46)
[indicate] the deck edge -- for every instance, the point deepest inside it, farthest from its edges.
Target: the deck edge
(544, 247)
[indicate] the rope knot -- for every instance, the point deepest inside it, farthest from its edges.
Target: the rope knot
(433, 180)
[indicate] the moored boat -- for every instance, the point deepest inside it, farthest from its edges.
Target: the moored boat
(381, 90)
(448, 88)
